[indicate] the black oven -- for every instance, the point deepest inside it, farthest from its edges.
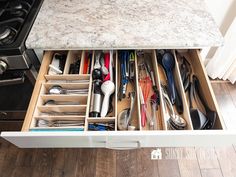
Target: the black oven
(15, 92)
(18, 65)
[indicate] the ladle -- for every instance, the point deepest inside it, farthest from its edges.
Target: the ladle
(57, 89)
(124, 116)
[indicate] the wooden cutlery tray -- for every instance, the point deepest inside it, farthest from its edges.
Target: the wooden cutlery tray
(38, 109)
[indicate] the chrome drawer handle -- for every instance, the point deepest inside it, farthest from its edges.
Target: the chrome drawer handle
(119, 147)
(14, 81)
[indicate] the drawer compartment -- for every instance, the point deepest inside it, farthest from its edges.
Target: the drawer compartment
(83, 134)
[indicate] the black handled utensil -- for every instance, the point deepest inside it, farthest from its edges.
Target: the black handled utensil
(199, 119)
(168, 64)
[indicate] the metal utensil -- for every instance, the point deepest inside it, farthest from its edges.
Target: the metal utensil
(153, 121)
(104, 69)
(124, 116)
(53, 102)
(97, 64)
(55, 113)
(175, 121)
(57, 89)
(58, 123)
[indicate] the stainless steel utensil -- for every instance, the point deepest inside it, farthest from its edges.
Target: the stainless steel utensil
(104, 69)
(53, 102)
(153, 121)
(57, 89)
(97, 64)
(58, 123)
(175, 121)
(55, 113)
(124, 116)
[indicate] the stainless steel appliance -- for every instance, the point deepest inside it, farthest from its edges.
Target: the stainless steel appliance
(18, 65)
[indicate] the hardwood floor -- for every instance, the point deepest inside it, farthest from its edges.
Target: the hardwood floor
(15, 162)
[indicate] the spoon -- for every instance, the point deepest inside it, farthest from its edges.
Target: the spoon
(57, 89)
(176, 122)
(124, 116)
(168, 63)
(108, 87)
(53, 102)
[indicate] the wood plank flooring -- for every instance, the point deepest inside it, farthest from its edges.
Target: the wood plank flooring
(15, 162)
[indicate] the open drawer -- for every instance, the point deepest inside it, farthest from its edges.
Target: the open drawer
(33, 135)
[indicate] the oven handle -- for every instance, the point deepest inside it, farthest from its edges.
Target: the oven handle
(14, 81)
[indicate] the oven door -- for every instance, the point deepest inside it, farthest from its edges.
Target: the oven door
(15, 92)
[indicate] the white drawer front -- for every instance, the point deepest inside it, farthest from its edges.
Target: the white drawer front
(120, 140)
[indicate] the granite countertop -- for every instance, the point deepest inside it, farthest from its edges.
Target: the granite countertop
(121, 24)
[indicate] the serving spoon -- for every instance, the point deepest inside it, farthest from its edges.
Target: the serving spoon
(175, 121)
(168, 63)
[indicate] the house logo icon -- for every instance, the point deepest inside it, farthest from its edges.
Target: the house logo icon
(156, 154)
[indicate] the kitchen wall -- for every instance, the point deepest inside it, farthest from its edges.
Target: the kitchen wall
(223, 11)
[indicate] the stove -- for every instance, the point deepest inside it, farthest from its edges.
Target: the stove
(18, 65)
(16, 19)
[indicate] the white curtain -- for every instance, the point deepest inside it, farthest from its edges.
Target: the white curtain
(223, 63)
